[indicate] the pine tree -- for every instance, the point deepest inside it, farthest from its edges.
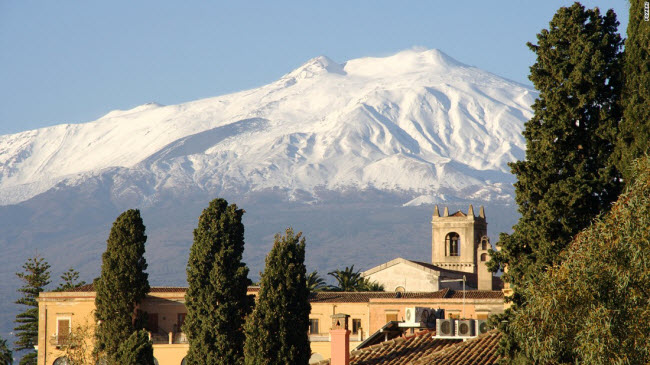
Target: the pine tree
(6, 357)
(70, 280)
(216, 298)
(276, 332)
(136, 350)
(567, 178)
(36, 276)
(121, 285)
(593, 307)
(634, 135)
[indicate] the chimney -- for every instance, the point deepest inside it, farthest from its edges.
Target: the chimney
(340, 340)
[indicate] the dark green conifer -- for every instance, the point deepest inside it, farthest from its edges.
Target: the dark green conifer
(568, 177)
(634, 135)
(136, 350)
(6, 357)
(121, 285)
(70, 280)
(36, 276)
(276, 331)
(216, 298)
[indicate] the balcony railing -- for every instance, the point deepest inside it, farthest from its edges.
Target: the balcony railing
(169, 338)
(60, 340)
(325, 337)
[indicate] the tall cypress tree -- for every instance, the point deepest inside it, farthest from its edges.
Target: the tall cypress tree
(567, 178)
(276, 332)
(136, 350)
(216, 298)
(121, 285)
(634, 133)
(36, 276)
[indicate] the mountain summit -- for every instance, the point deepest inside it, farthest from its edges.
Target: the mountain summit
(417, 122)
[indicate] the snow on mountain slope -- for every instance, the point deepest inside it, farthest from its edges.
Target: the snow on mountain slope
(418, 121)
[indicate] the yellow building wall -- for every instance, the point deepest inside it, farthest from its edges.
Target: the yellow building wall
(374, 314)
(78, 307)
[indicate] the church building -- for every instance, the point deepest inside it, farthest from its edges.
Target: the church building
(459, 253)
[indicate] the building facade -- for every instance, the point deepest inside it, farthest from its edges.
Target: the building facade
(459, 253)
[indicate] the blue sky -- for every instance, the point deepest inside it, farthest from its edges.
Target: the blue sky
(74, 61)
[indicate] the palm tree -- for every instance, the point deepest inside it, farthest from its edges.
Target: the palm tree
(315, 282)
(348, 279)
(368, 285)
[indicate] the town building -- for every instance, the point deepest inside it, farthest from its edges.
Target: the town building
(459, 252)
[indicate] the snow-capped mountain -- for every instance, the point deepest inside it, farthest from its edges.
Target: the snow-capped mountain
(367, 145)
(417, 122)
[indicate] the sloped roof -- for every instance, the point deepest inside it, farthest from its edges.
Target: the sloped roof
(481, 350)
(424, 348)
(416, 264)
(476, 294)
(153, 289)
(364, 297)
(402, 350)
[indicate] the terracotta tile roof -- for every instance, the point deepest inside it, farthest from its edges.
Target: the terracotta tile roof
(402, 350)
(458, 214)
(476, 294)
(424, 348)
(83, 288)
(364, 297)
(154, 289)
(477, 351)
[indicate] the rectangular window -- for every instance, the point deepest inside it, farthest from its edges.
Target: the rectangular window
(62, 330)
(356, 325)
(152, 322)
(313, 326)
(481, 316)
(391, 317)
(181, 320)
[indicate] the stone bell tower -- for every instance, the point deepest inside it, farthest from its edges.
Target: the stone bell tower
(459, 243)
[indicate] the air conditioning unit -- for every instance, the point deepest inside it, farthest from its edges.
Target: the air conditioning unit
(418, 315)
(445, 327)
(465, 328)
(481, 326)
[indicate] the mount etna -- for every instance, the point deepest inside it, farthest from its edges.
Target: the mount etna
(353, 154)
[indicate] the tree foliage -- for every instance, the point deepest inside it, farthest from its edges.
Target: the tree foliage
(315, 282)
(568, 177)
(6, 356)
(216, 298)
(593, 307)
(122, 284)
(35, 277)
(136, 350)
(276, 331)
(78, 345)
(70, 280)
(634, 135)
(350, 280)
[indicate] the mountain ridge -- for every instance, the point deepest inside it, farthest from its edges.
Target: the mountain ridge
(325, 125)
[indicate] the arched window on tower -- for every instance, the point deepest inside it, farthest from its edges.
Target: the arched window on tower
(483, 257)
(452, 242)
(485, 243)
